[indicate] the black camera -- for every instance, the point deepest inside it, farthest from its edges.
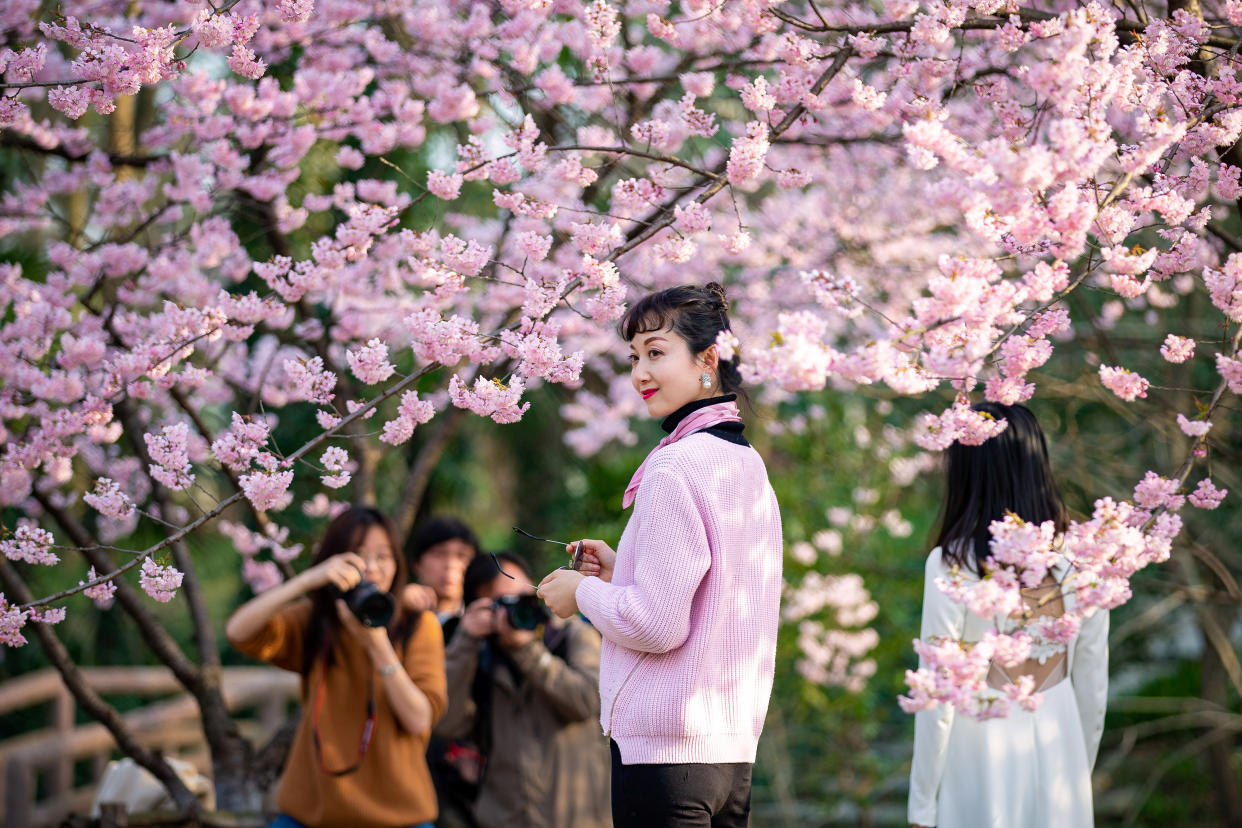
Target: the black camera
(369, 604)
(525, 612)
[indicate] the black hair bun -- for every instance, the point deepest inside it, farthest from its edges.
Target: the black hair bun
(717, 290)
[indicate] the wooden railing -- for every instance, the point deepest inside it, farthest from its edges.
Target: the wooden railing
(170, 723)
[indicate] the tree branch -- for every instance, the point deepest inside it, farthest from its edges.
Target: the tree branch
(215, 511)
(11, 141)
(92, 702)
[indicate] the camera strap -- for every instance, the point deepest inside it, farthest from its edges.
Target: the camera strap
(368, 726)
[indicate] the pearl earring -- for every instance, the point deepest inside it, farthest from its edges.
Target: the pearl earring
(707, 380)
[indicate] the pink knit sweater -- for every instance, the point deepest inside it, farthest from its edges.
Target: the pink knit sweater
(689, 619)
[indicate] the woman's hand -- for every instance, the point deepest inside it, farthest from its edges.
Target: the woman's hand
(375, 639)
(595, 559)
(343, 571)
(558, 591)
(479, 619)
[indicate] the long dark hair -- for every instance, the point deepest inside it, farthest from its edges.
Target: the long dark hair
(1008, 473)
(344, 534)
(696, 314)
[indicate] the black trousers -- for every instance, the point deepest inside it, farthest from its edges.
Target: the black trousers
(680, 796)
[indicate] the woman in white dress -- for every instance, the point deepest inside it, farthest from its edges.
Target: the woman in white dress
(1028, 769)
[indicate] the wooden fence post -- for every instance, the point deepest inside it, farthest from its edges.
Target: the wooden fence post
(18, 791)
(60, 774)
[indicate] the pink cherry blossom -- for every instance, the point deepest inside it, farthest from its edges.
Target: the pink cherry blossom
(1193, 428)
(310, 380)
(1225, 287)
(31, 544)
(240, 443)
(169, 452)
(748, 152)
(1231, 371)
(490, 398)
(295, 11)
(755, 96)
(444, 185)
(412, 413)
(159, 581)
(244, 63)
(369, 363)
(108, 499)
(336, 460)
(1177, 349)
(102, 594)
(267, 489)
(261, 575)
(1156, 492)
(1206, 495)
(12, 619)
(1123, 382)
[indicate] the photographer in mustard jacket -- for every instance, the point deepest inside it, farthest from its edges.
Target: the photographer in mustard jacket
(524, 687)
(372, 681)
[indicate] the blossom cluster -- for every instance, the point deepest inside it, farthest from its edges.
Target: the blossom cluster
(833, 654)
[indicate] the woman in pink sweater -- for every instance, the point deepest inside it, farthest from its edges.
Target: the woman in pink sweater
(688, 603)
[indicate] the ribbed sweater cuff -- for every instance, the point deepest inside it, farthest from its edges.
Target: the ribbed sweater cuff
(591, 596)
(715, 749)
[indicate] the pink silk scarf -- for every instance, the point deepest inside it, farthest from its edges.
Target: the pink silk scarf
(706, 417)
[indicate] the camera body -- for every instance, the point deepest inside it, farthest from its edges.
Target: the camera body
(524, 612)
(369, 604)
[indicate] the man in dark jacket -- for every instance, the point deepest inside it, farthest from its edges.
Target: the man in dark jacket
(530, 698)
(439, 552)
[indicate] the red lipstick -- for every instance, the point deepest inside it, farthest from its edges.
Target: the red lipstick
(647, 394)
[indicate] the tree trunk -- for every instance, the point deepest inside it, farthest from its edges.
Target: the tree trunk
(1214, 688)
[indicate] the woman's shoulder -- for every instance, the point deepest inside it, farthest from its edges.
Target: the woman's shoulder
(938, 565)
(694, 452)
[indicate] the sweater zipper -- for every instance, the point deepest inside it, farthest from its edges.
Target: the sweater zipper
(613, 708)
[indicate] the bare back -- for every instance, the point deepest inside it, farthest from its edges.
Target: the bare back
(1044, 600)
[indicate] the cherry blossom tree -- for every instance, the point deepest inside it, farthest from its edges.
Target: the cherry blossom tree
(228, 221)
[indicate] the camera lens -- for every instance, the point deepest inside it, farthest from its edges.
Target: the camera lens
(370, 604)
(524, 612)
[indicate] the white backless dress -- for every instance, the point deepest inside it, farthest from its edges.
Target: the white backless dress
(1028, 769)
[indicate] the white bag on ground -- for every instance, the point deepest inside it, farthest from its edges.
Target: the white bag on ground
(129, 783)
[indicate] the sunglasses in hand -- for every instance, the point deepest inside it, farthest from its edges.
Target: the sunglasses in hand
(575, 562)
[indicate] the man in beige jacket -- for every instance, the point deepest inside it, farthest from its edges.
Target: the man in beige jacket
(529, 698)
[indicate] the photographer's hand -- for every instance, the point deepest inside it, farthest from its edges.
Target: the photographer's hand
(479, 620)
(374, 639)
(343, 571)
(416, 598)
(507, 636)
(596, 559)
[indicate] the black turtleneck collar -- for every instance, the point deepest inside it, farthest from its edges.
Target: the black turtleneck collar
(731, 432)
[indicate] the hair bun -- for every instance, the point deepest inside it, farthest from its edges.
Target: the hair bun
(717, 290)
